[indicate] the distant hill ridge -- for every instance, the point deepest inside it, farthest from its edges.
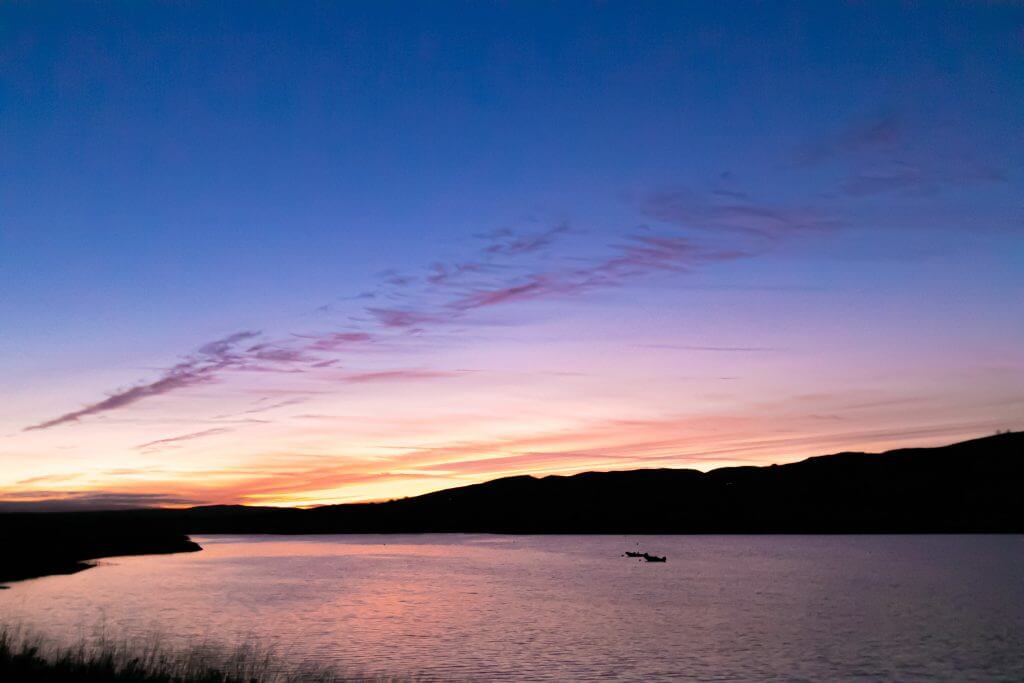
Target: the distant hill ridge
(969, 487)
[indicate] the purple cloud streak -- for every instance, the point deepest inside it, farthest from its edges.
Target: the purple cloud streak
(693, 234)
(183, 437)
(200, 368)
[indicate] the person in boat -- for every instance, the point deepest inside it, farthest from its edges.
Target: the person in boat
(654, 558)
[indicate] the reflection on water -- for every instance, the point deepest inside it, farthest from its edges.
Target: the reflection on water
(570, 607)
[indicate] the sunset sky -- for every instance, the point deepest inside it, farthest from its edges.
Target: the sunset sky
(330, 252)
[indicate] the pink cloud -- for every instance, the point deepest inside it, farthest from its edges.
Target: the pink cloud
(397, 375)
(184, 437)
(200, 368)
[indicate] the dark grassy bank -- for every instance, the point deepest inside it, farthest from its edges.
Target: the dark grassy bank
(31, 659)
(48, 543)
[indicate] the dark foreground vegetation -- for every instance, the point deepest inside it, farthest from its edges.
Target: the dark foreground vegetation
(969, 487)
(30, 660)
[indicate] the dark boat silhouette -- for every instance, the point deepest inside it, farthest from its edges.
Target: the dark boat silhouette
(646, 556)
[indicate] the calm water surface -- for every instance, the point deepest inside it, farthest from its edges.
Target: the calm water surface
(569, 607)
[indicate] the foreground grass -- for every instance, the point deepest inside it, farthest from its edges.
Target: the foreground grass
(29, 658)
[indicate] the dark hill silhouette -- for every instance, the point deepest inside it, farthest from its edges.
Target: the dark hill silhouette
(972, 486)
(969, 487)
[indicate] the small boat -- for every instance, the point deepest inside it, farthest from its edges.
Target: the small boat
(645, 556)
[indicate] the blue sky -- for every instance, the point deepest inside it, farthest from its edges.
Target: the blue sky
(846, 177)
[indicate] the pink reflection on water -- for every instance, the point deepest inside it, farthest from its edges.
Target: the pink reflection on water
(568, 607)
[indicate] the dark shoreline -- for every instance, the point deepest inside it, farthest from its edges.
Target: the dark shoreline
(26, 557)
(971, 487)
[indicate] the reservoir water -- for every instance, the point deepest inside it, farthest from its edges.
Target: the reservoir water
(487, 607)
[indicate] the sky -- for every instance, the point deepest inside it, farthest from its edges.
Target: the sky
(317, 252)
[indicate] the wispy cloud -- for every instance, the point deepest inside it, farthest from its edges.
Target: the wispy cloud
(295, 400)
(73, 501)
(184, 437)
(879, 133)
(454, 291)
(396, 376)
(405, 317)
(201, 367)
(744, 224)
(48, 479)
(510, 243)
(895, 154)
(908, 177)
(510, 267)
(726, 349)
(336, 341)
